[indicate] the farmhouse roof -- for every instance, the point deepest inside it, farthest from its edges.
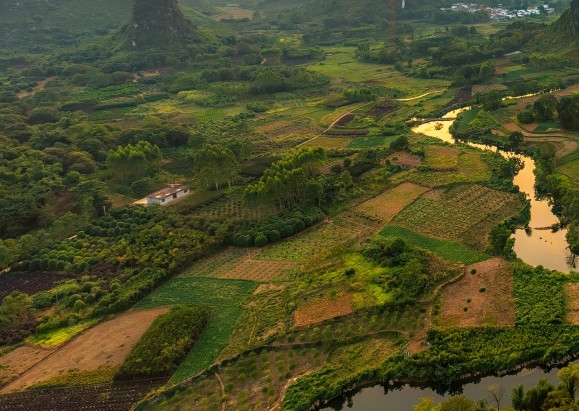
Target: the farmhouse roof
(167, 191)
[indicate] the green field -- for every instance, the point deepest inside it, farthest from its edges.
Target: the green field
(454, 213)
(339, 62)
(546, 126)
(371, 141)
(225, 297)
(302, 246)
(448, 250)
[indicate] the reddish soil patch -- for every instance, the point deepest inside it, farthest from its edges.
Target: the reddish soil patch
(328, 143)
(318, 310)
(39, 87)
(572, 293)
(18, 361)
(105, 345)
(345, 119)
(405, 160)
(352, 132)
(492, 307)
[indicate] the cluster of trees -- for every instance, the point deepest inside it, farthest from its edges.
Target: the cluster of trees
(132, 162)
(215, 164)
(288, 181)
(166, 343)
(542, 109)
(546, 396)
(16, 318)
(274, 228)
(408, 274)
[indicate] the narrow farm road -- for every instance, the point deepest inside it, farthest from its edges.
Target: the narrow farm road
(420, 96)
(222, 389)
(359, 106)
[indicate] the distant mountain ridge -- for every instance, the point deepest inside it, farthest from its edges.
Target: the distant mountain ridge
(37, 24)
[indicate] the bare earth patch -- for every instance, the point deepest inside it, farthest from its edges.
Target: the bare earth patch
(572, 293)
(386, 205)
(405, 160)
(105, 345)
(319, 310)
(492, 307)
(18, 361)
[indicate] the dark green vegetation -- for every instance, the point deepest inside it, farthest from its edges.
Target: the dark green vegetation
(278, 118)
(166, 343)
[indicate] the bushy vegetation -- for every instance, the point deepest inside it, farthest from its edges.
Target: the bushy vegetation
(539, 296)
(275, 228)
(166, 343)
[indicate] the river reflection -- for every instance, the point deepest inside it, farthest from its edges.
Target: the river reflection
(538, 246)
(404, 398)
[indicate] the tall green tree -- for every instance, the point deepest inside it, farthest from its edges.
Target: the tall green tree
(215, 164)
(132, 162)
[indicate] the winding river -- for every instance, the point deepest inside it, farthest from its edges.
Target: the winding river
(538, 246)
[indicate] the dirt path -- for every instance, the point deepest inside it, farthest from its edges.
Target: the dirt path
(334, 122)
(104, 345)
(420, 96)
(222, 389)
(39, 87)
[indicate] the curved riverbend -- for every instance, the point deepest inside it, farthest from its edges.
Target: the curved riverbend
(404, 398)
(539, 246)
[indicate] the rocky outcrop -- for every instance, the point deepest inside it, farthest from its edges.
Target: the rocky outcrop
(158, 24)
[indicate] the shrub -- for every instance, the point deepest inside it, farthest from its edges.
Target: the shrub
(260, 240)
(482, 290)
(165, 343)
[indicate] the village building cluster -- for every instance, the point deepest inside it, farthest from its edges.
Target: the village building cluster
(500, 12)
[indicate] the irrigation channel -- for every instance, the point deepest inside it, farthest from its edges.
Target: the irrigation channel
(537, 246)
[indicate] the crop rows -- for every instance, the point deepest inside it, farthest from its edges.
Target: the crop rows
(454, 212)
(225, 208)
(260, 271)
(104, 397)
(448, 250)
(308, 244)
(216, 264)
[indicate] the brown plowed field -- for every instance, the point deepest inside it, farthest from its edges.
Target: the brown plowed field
(493, 307)
(105, 345)
(319, 310)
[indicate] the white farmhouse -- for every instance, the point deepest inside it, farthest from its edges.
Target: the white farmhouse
(168, 194)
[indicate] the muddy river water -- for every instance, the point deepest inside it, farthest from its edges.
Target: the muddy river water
(538, 246)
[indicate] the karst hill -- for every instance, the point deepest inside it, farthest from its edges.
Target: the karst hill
(563, 35)
(157, 24)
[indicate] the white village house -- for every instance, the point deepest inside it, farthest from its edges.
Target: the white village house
(168, 194)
